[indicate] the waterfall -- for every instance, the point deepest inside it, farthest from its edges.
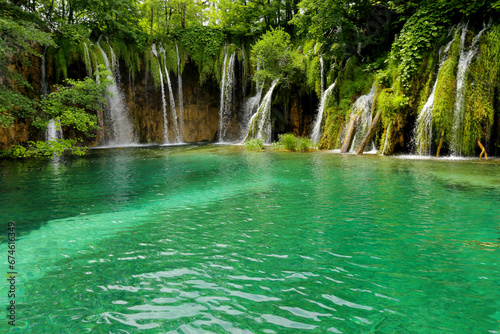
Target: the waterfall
(321, 75)
(362, 107)
(226, 97)
(387, 135)
(423, 127)
(250, 108)
(54, 130)
(181, 98)
(171, 98)
(122, 131)
(244, 66)
(86, 57)
(164, 101)
(260, 123)
(316, 132)
(464, 62)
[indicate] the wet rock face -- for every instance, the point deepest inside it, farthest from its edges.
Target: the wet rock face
(201, 107)
(18, 133)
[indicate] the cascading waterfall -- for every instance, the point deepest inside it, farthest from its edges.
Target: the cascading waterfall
(122, 131)
(164, 101)
(171, 98)
(260, 123)
(316, 132)
(181, 98)
(227, 92)
(251, 106)
(423, 127)
(362, 107)
(464, 62)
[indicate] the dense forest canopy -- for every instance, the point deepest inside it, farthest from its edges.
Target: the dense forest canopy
(385, 41)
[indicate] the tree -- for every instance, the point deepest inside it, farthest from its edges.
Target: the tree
(273, 53)
(20, 41)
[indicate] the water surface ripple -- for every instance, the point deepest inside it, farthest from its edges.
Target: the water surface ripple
(220, 240)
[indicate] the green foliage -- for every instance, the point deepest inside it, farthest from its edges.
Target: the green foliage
(482, 84)
(313, 75)
(204, 44)
(273, 52)
(154, 68)
(353, 82)
(292, 143)
(254, 144)
(390, 103)
(331, 134)
(72, 103)
(20, 41)
(444, 98)
(419, 33)
(40, 149)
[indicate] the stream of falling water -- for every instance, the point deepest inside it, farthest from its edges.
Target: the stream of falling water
(121, 129)
(54, 130)
(363, 107)
(181, 98)
(164, 101)
(226, 98)
(171, 99)
(316, 132)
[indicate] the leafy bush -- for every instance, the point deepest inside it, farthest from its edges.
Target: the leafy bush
(292, 143)
(49, 148)
(254, 144)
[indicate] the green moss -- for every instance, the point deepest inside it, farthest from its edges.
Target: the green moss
(442, 114)
(331, 134)
(313, 75)
(154, 67)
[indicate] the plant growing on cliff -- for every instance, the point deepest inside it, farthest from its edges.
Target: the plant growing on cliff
(75, 103)
(444, 98)
(480, 91)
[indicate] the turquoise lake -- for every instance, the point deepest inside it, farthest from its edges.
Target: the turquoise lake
(208, 239)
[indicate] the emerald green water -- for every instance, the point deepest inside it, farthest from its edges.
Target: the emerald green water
(221, 240)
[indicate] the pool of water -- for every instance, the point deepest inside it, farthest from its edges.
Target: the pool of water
(222, 240)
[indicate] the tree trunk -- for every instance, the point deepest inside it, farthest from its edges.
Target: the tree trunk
(371, 131)
(483, 150)
(349, 135)
(440, 144)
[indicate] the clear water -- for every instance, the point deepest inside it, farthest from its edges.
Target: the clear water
(222, 240)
